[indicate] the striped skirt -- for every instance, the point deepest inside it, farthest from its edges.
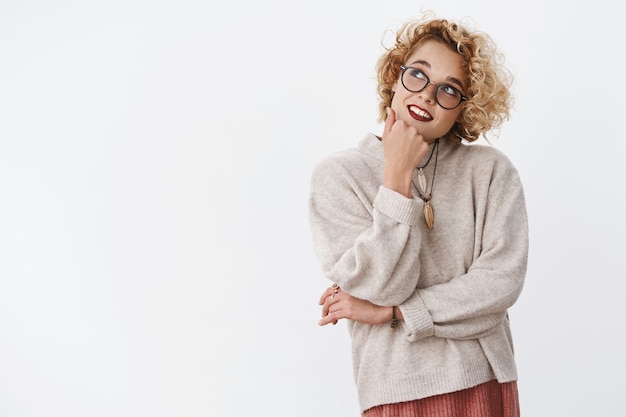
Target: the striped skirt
(490, 399)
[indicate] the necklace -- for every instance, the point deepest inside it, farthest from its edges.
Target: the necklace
(429, 215)
(421, 178)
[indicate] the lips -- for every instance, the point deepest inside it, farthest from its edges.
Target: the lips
(419, 114)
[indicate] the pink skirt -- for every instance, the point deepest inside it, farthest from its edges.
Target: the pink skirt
(490, 399)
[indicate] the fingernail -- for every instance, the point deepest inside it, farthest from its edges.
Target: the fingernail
(388, 110)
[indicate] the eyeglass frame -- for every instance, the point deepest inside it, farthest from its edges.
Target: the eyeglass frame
(428, 82)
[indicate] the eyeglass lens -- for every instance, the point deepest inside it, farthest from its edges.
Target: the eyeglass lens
(446, 96)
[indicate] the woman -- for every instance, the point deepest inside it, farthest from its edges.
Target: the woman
(425, 237)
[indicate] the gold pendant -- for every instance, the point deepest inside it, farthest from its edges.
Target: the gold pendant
(421, 180)
(429, 215)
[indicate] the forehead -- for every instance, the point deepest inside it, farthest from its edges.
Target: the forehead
(441, 61)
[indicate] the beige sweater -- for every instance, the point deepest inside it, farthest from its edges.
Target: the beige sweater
(453, 283)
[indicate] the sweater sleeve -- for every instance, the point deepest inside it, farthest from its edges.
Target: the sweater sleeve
(475, 304)
(368, 248)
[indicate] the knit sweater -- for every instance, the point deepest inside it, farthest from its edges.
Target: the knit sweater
(453, 283)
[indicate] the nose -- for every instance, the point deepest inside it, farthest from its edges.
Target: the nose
(427, 94)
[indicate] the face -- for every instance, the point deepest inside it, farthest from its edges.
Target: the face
(441, 65)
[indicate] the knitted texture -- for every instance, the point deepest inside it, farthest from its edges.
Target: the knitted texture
(453, 284)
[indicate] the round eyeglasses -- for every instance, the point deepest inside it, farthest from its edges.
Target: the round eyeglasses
(447, 96)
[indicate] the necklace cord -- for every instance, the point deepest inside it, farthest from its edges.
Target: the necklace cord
(432, 183)
(431, 154)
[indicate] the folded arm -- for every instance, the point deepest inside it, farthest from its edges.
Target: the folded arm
(475, 304)
(370, 248)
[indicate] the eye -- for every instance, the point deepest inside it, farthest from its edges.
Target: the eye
(449, 90)
(419, 74)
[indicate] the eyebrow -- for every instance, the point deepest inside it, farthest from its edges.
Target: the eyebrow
(450, 79)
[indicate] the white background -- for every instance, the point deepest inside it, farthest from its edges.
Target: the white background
(155, 156)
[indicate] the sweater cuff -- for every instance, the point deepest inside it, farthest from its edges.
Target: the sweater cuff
(417, 318)
(396, 206)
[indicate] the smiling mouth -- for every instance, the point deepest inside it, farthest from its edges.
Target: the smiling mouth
(419, 114)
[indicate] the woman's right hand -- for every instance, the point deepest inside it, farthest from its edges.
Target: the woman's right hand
(404, 149)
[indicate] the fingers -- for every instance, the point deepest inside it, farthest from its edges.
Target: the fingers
(327, 293)
(332, 314)
(389, 121)
(404, 148)
(334, 289)
(329, 319)
(329, 300)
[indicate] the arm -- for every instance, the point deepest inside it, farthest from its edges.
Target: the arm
(475, 304)
(371, 252)
(370, 245)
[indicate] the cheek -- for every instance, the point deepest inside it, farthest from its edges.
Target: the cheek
(459, 111)
(448, 121)
(396, 105)
(454, 118)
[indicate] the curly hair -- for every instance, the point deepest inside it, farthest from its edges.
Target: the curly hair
(489, 99)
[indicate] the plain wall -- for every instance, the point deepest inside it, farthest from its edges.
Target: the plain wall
(155, 156)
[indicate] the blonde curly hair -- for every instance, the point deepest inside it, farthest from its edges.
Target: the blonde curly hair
(489, 99)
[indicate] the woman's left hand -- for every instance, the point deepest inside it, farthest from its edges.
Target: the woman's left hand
(337, 304)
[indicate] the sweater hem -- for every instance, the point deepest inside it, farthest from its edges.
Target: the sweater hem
(395, 390)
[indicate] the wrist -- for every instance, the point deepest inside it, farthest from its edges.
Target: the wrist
(400, 183)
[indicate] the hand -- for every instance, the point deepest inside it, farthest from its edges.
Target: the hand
(337, 304)
(404, 149)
